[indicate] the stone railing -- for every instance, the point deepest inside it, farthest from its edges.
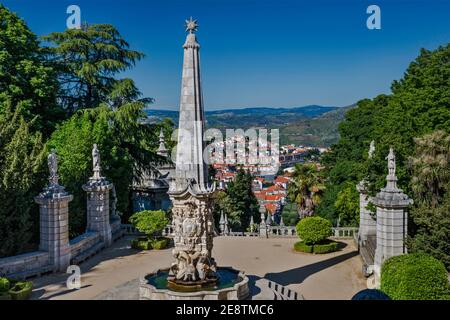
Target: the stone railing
(345, 232)
(168, 231)
(277, 231)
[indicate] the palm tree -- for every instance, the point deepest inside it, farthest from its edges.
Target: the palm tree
(306, 188)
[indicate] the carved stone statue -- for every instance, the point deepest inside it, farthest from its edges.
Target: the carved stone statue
(52, 161)
(391, 162)
(96, 161)
(371, 149)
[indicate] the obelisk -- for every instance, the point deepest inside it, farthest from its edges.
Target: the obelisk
(190, 191)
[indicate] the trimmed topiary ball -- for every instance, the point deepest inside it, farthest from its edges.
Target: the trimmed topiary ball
(415, 277)
(312, 230)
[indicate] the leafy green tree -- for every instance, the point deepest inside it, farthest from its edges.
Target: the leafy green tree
(430, 182)
(290, 214)
(242, 202)
(347, 206)
(105, 110)
(21, 178)
(27, 82)
(326, 208)
(417, 106)
(306, 188)
(117, 134)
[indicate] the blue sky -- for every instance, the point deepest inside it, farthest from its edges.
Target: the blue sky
(263, 53)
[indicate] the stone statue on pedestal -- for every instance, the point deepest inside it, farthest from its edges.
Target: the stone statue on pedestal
(391, 162)
(52, 161)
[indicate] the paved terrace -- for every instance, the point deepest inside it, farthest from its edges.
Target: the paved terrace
(114, 273)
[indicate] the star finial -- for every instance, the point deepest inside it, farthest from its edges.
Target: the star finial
(191, 25)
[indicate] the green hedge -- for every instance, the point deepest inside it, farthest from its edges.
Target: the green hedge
(320, 248)
(159, 244)
(303, 247)
(21, 290)
(4, 284)
(141, 244)
(144, 243)
(325, 247)
(415, 277)
(313, 230)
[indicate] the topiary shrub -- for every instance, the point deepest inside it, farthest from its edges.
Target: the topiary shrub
(21, 290)
(303, 247)
(415, 277)
(4, 284)
(312, 230)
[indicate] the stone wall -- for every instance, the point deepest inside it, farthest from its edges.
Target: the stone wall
(83, 243)
(25, 265)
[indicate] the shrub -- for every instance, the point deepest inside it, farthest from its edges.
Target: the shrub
(141, 244)
(150, 222)
(319, 248)
(313, 230)
(303, 247)
(4, 284)
(159, 244)
(331, 246)
(415, 277)
(21, 290)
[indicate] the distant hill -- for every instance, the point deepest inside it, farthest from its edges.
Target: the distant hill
(320, 131)
(311, 125)
(248, 117)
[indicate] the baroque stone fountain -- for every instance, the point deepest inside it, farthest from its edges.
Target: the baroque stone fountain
(194, 274)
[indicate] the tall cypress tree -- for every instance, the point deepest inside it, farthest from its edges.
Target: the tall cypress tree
(242, 201)
(21, 162)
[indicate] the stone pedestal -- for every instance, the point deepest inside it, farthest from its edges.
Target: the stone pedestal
(98, 208)
(367, 223)
(54, 226)
(392, 220)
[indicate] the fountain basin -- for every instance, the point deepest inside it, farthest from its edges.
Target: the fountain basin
(232, 285)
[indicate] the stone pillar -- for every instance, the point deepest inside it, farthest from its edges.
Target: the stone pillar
(97, 190)
(392, 219)
(367, 223)
(54, 219)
